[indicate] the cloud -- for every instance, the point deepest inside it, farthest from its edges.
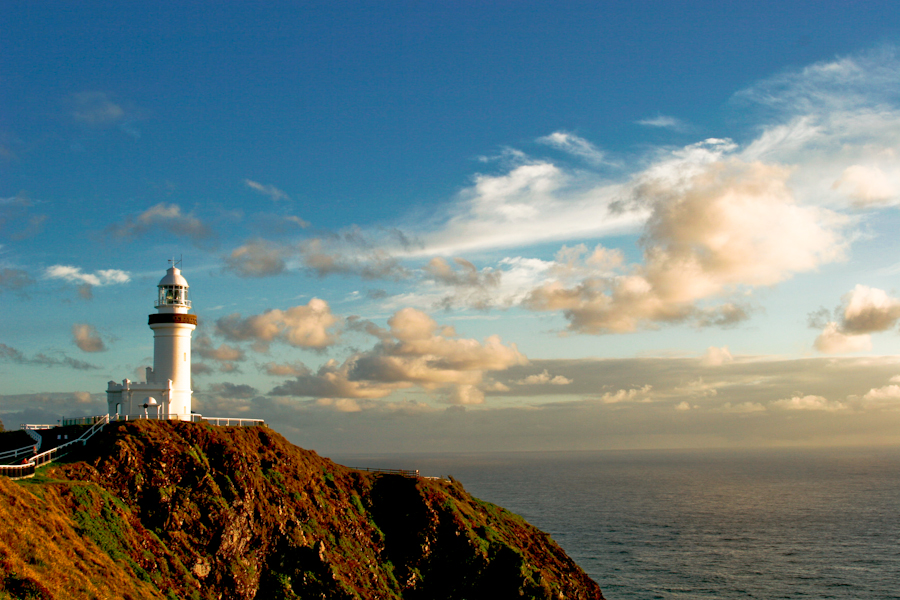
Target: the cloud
(833, 341)
(627, 395)
(716, 357)
(285, 370)
(345, 405)
(542, 378)
(529, 204)
(465, 274)
(328, 257)
(717, 226)
(868, 310)
(162, 217)
(864, 310)
(95, 108)
(203, 347)
(416, 352)
(267, 190)
(257, 258)
(663, 122)
(232, 390)
(887, 396)
(742, 408)
(14, 279)
(303, 326)
(809, 402)
(867, 185)
(87, 338)
(574, 145)
(97, 278)
(15, 210)
(10, 354)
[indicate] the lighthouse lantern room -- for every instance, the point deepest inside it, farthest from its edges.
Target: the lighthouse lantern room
(166, 393)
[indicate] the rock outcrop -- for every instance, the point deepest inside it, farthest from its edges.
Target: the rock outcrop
(182, 510)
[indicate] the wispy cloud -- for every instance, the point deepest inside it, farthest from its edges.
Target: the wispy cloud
(664, 122)
(574, 145)
(95, 108)
(267, 190)
(10, 354)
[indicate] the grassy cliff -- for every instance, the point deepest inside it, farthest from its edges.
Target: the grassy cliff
(181, 510)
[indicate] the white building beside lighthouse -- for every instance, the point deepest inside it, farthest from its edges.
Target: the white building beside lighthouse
(166, 394)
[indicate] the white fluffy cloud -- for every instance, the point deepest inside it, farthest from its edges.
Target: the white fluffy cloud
(304, 326)
(76, 275)
(717, 226)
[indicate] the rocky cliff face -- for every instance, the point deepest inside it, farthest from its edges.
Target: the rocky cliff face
(182, 510)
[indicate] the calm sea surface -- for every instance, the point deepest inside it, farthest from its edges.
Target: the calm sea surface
(684, 525)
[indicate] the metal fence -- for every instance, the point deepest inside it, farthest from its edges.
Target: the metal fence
(27, 469)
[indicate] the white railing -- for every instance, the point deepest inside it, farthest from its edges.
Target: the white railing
(11, 454)
(30, 426)
(36, 437)
(27, 469)
(233, 422)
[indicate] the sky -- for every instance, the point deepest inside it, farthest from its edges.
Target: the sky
(459, 226)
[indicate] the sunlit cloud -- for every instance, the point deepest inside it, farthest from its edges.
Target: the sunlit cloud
(415, 352)
(864, 310)
(809, 402)
(303, 326)
(717, 226)
(542, 378)
(258, 258)
(87, 338)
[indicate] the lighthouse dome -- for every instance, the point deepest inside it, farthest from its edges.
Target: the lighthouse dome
(173, 277)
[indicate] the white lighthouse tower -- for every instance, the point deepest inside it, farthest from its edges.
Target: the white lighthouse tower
(167, 392)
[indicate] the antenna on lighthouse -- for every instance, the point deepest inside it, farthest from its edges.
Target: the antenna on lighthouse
(174, 262)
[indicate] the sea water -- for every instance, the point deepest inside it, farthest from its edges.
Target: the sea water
(702, 524)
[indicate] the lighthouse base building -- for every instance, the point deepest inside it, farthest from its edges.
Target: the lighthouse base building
(166, 393)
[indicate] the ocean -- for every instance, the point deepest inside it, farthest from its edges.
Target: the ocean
(684, 525)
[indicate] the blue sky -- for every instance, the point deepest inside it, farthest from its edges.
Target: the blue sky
(450, 226)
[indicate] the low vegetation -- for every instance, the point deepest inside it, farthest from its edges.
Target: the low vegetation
(182, 510)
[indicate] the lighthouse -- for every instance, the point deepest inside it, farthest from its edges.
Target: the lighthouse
(166, 393)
